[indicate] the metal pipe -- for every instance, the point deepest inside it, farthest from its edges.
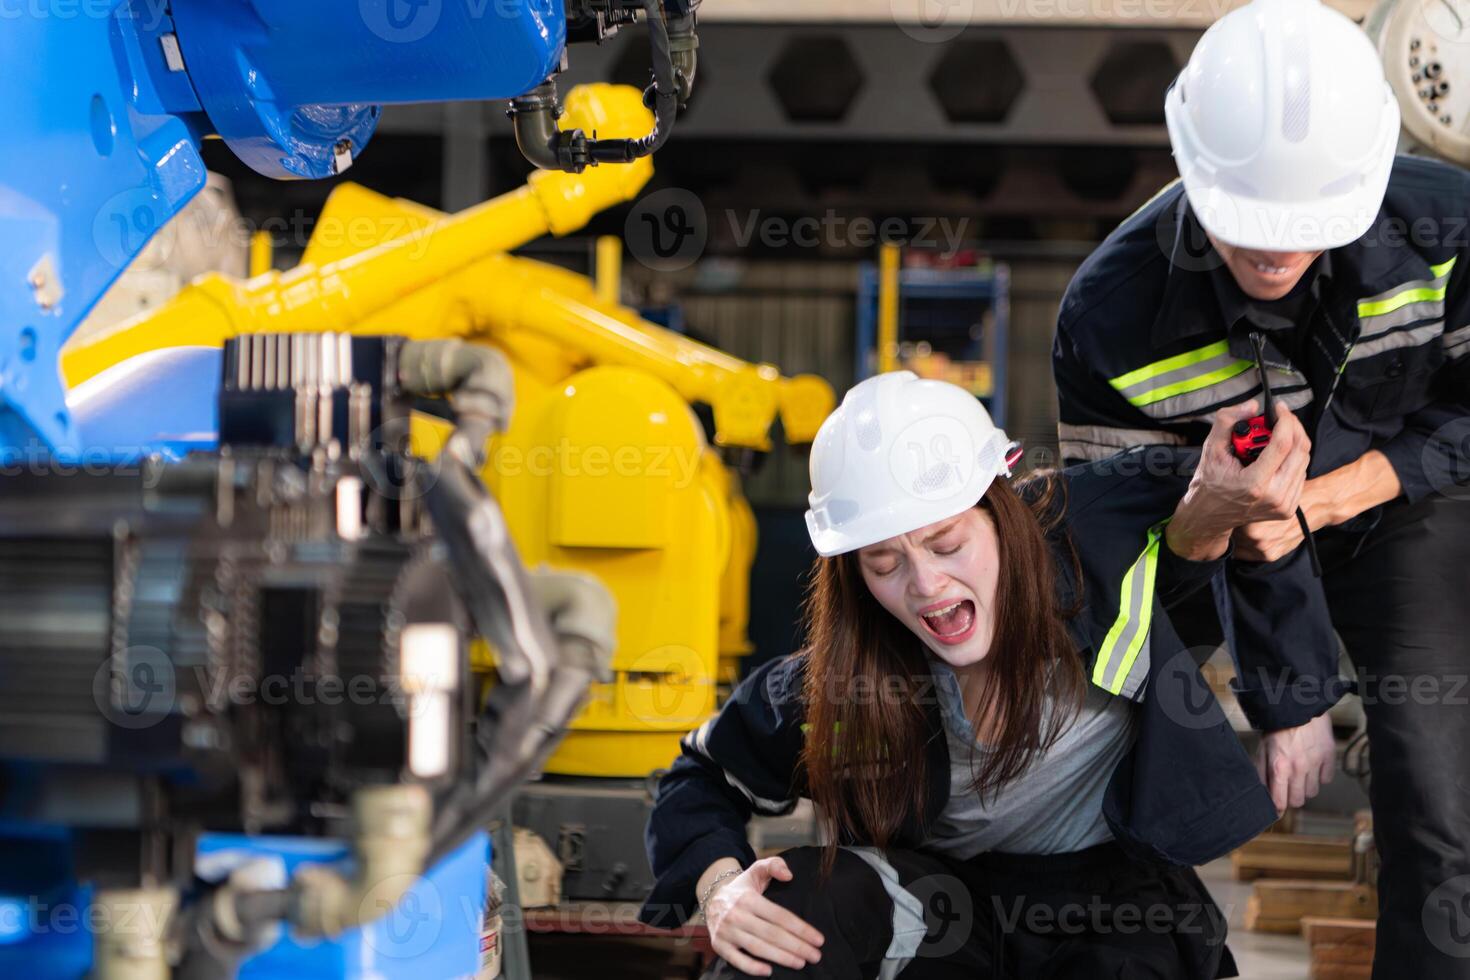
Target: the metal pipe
(391, 845)
(479, 384)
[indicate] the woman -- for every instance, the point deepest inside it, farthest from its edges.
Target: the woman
(1014, 759)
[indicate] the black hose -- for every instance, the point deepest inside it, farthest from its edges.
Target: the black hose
(534, 114)
(663, 94)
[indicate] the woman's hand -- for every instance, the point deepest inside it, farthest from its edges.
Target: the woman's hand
(749, 931)
(1225, 494)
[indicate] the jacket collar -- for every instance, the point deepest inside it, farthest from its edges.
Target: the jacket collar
(1200, 294)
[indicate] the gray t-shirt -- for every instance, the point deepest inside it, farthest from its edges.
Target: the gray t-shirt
(1055, 806)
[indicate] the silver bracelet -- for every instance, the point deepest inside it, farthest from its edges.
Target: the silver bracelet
(725, 875)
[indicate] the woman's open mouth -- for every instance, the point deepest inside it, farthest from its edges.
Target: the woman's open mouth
(951, 623)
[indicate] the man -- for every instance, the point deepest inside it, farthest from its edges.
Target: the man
(1295, 227)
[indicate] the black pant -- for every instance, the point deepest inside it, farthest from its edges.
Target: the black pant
(1081, 916)
(1400, 598)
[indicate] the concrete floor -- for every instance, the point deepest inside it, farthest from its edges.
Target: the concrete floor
(1259, 956)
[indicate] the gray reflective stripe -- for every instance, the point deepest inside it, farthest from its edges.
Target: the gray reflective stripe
(1294, 400)
(1393, 341)
(1122, 663)
(1166, 379)
(1432, 309)
(695, 742)
(1093, 442)
(1455, 341)
(909, 927)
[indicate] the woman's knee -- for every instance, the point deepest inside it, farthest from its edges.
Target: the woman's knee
(849, 895)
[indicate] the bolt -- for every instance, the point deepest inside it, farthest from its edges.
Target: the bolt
(1414, 44)
(342, 156)
(1445, 119)
(1433, 69)
(1413, 62)
(1443, 86)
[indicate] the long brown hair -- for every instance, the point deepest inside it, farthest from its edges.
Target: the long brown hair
(864, 753)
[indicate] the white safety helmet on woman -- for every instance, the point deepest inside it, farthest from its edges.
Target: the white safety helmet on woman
(898, 454)
(1284, 128)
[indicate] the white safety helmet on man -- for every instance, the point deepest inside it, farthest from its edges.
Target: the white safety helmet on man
(1284, 128)
(898, 454)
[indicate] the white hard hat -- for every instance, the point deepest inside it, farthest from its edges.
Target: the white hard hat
(1283, 127)
(899, 453)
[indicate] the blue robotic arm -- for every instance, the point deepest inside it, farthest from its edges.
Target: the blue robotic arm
(108, 101)
(266, 542)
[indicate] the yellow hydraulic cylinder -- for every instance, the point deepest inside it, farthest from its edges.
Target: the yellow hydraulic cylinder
(339, 294)
(526, 303)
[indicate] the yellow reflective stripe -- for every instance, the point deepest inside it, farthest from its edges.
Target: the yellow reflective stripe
(1140, 637)
(1136, 636)
(1416, 295)
(1398, 300)
(1191, 384)
(1169, 364)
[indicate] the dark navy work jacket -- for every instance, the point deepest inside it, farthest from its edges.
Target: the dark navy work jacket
(1154, 336)
(1186, 793)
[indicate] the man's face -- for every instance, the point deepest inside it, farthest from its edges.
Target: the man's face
(1264, 275)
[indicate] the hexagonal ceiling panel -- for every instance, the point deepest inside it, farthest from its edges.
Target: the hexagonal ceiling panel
(1131, 81)
(815, 79)
(977, 81)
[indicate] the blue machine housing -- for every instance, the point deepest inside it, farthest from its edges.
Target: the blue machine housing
(108, 104)
(433, 932)
(285, 82)
(110, 100)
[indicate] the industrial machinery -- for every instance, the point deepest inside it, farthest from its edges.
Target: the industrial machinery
(1425, 47)
(193, 530)
(603, 469)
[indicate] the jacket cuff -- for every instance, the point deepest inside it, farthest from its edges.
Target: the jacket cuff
(1287, 700)
(1180, 577)
(672, 901)
(1406, 454)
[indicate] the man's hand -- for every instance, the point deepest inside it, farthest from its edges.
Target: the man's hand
(1327, 500)
(749, 931)
(1225, 494)
(1295, 763)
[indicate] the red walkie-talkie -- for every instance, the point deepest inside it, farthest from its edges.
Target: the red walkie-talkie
(1249, 438)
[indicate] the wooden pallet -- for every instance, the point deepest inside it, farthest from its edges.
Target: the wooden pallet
(1342, 949)
(1279, 905)
(1294, 856)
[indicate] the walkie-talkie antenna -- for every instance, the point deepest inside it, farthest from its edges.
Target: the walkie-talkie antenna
(1268, 400)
